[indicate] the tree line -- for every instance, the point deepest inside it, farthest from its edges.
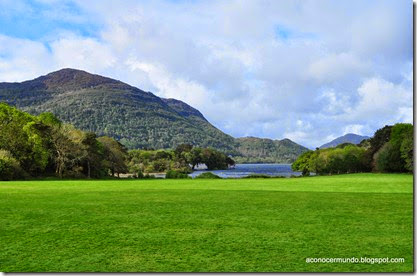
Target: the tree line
(389, 150)
(184, 158)
(40, 146)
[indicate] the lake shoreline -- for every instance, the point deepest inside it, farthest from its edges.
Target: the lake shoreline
(245, 169)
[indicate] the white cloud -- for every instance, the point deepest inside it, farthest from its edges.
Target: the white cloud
(344, 66)
(297, 135)
(335, 103)
(170, 87)
(356, 129)
(383, 100)
(336, 67)
(83, 53)
(22, 59)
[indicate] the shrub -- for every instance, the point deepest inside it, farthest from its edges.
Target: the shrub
(9, 167)
(257, 176)
(175, 174)
(149, 176)
(208, 175)
(140, 174)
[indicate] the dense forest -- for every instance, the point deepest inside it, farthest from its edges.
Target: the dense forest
(40, 146)
(389, 150)
(135, 118)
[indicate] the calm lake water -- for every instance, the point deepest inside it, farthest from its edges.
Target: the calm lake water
(242, 170)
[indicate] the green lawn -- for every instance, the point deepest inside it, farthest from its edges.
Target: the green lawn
(251, 225)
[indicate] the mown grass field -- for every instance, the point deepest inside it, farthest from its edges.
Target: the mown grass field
(251, 225)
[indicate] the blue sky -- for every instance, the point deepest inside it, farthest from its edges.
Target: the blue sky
(307, 70)
(42, 20)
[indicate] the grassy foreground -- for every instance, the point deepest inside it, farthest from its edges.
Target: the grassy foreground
(269, 225)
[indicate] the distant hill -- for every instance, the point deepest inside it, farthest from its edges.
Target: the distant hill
(347, 138)
(136, 118)
(258, 150)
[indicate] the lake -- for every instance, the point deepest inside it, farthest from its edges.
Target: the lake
(242, 170)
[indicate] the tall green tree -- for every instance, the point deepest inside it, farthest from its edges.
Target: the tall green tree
(376, 142)
(92, 155)
(24, 136)
(303, 163)
(407, 153)
(388, 159)
(68, 153)
(115, 155)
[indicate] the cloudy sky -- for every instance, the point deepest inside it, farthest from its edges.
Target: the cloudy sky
(308, 70)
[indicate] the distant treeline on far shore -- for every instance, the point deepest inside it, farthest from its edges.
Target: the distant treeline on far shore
(42, 146)
(389, 150)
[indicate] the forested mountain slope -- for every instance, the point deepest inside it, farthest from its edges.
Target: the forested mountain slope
(136, 118)
(258, 150)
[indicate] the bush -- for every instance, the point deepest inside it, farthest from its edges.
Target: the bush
(140, 174)
(9, 167)
(175, 174)
(257, 176)
(208, 175)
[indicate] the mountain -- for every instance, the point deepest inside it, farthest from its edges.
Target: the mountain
(258, 150)
(136, 118)
(347, 138)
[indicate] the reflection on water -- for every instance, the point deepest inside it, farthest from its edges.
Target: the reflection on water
(242, 170)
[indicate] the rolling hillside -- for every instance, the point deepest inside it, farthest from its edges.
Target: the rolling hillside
(136, 118)
(258, 150)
